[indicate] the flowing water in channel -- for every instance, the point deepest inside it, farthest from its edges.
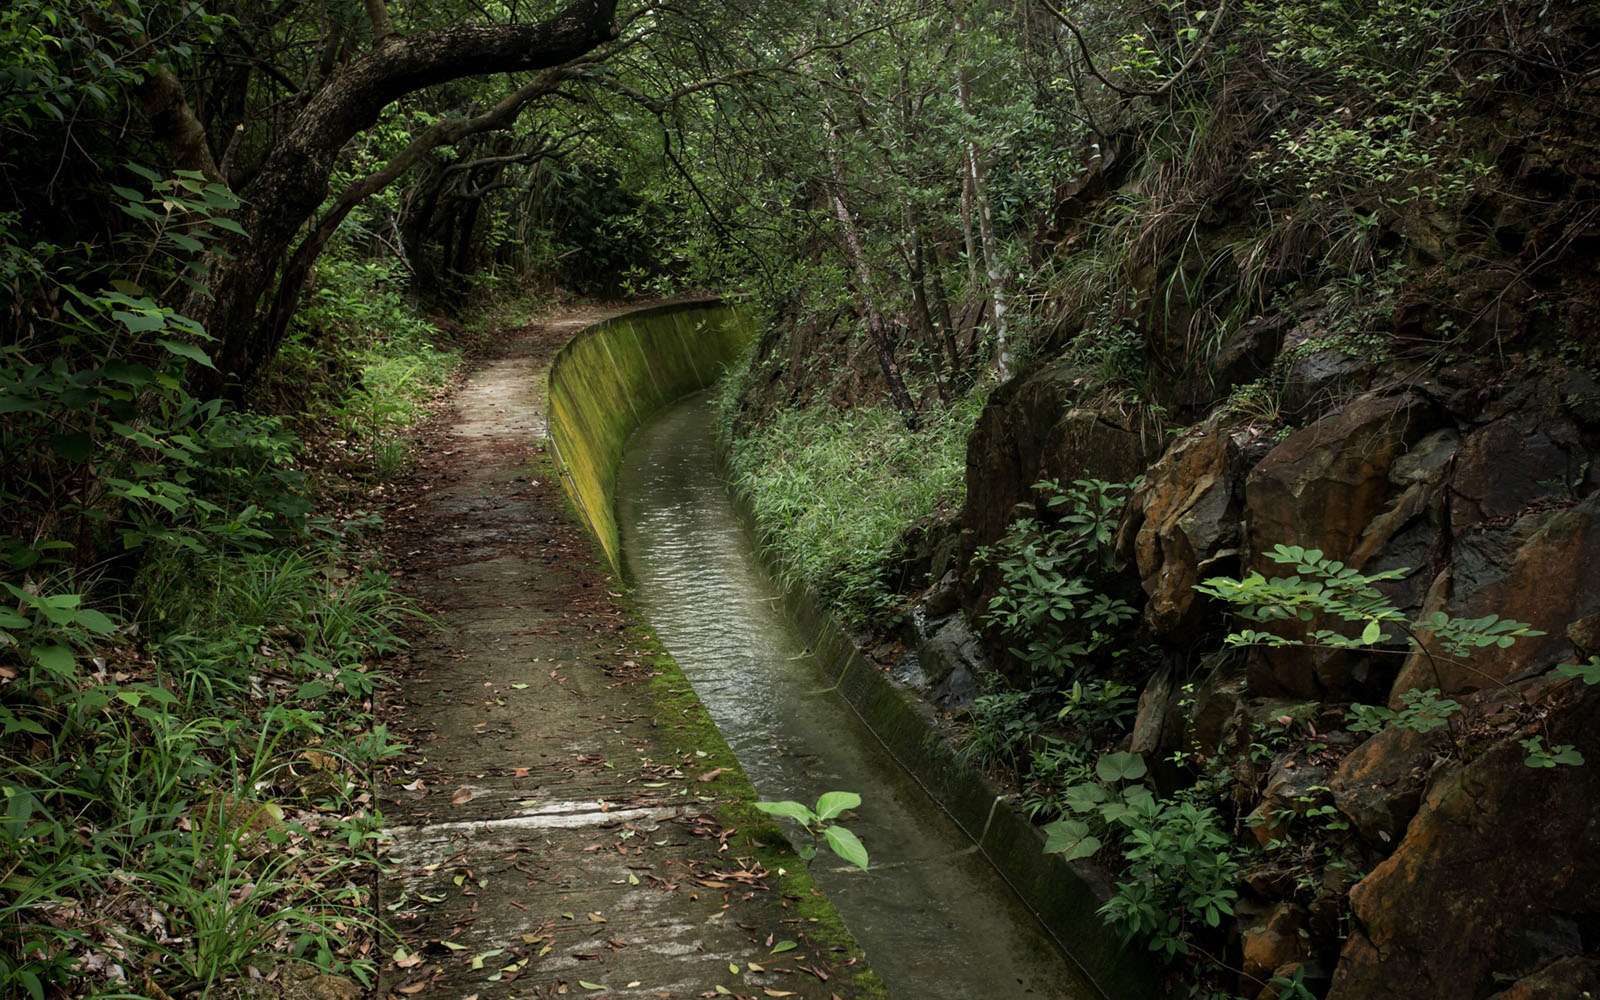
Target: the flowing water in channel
(936, 921)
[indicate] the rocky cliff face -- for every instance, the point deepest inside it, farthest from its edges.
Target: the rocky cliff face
(1448, 868)
(1474, 869)
(1443, 420)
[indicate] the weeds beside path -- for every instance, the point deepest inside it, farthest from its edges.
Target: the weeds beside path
(561, 824)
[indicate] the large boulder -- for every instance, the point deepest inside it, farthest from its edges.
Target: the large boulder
(1183, 522)
(1034, 428)
(1322, 488)
(1496, 874)
(1325, 483)
(1379, 785)
(1533, 450)
(1271, 940)
(1542, 568)
(1574, 978)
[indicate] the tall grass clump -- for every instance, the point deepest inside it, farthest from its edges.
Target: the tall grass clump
(834, 492)
(190, 797)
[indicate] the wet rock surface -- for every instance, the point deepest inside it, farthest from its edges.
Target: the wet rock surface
(952, 659)
(1495, 874)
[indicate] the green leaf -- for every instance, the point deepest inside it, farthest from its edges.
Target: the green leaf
(56, 659)
(96, 622)
(792, 810)
(1071, 839)
(847, 845)
(189, 351)
(482, 957)
(833, 803)
(1372, 633)
(1121, 766)
(140, 322)
(1589, 672)
(783, 946)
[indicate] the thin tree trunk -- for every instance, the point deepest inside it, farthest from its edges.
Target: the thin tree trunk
(994, 264)
(918, 273)
(946, 320)
(877, 329)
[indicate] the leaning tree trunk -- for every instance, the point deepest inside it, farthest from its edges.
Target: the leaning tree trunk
(877, 327)
(292, 181)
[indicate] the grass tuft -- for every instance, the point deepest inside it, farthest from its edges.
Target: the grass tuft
(834, 492)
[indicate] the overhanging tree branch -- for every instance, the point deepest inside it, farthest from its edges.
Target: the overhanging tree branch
(442, 133)
(1168, 84)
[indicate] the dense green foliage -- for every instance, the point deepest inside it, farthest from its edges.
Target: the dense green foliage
(834, 493)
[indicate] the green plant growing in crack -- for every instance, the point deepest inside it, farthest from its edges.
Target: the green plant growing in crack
(819, 824)
(1180, 867)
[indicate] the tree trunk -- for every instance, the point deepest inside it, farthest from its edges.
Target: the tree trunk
(917, 262)
(292, 181)
(877, 329)
(946, 321)
(994, 264)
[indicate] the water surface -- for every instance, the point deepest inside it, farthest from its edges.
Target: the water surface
(935, 919)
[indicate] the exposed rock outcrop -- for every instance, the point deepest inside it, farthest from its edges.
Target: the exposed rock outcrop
(1037, 428)
(1379, 786)
(1183, 522)
(1500, 868)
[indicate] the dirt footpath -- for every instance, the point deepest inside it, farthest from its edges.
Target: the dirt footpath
(567, 823)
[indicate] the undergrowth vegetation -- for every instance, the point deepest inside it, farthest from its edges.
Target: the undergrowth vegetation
(372, 362)
(834, 491)
(189, 647)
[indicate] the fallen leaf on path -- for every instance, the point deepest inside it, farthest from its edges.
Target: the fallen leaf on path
(462, 796)
(479, 959)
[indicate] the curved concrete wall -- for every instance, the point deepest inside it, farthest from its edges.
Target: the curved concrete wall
(614, 375)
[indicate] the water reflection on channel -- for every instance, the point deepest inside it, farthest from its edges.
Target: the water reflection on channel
(936, 921)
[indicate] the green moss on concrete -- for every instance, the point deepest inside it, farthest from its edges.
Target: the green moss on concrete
(690, 731)
(613, 375)
(603, 385)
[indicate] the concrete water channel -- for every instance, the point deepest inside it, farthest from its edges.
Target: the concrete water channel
(935, 918)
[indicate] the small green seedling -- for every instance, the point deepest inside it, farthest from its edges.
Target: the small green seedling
(819, 824)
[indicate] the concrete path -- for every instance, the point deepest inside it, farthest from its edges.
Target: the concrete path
(566, 822)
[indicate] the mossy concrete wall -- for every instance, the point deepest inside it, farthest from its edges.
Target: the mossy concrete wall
(616, 374)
